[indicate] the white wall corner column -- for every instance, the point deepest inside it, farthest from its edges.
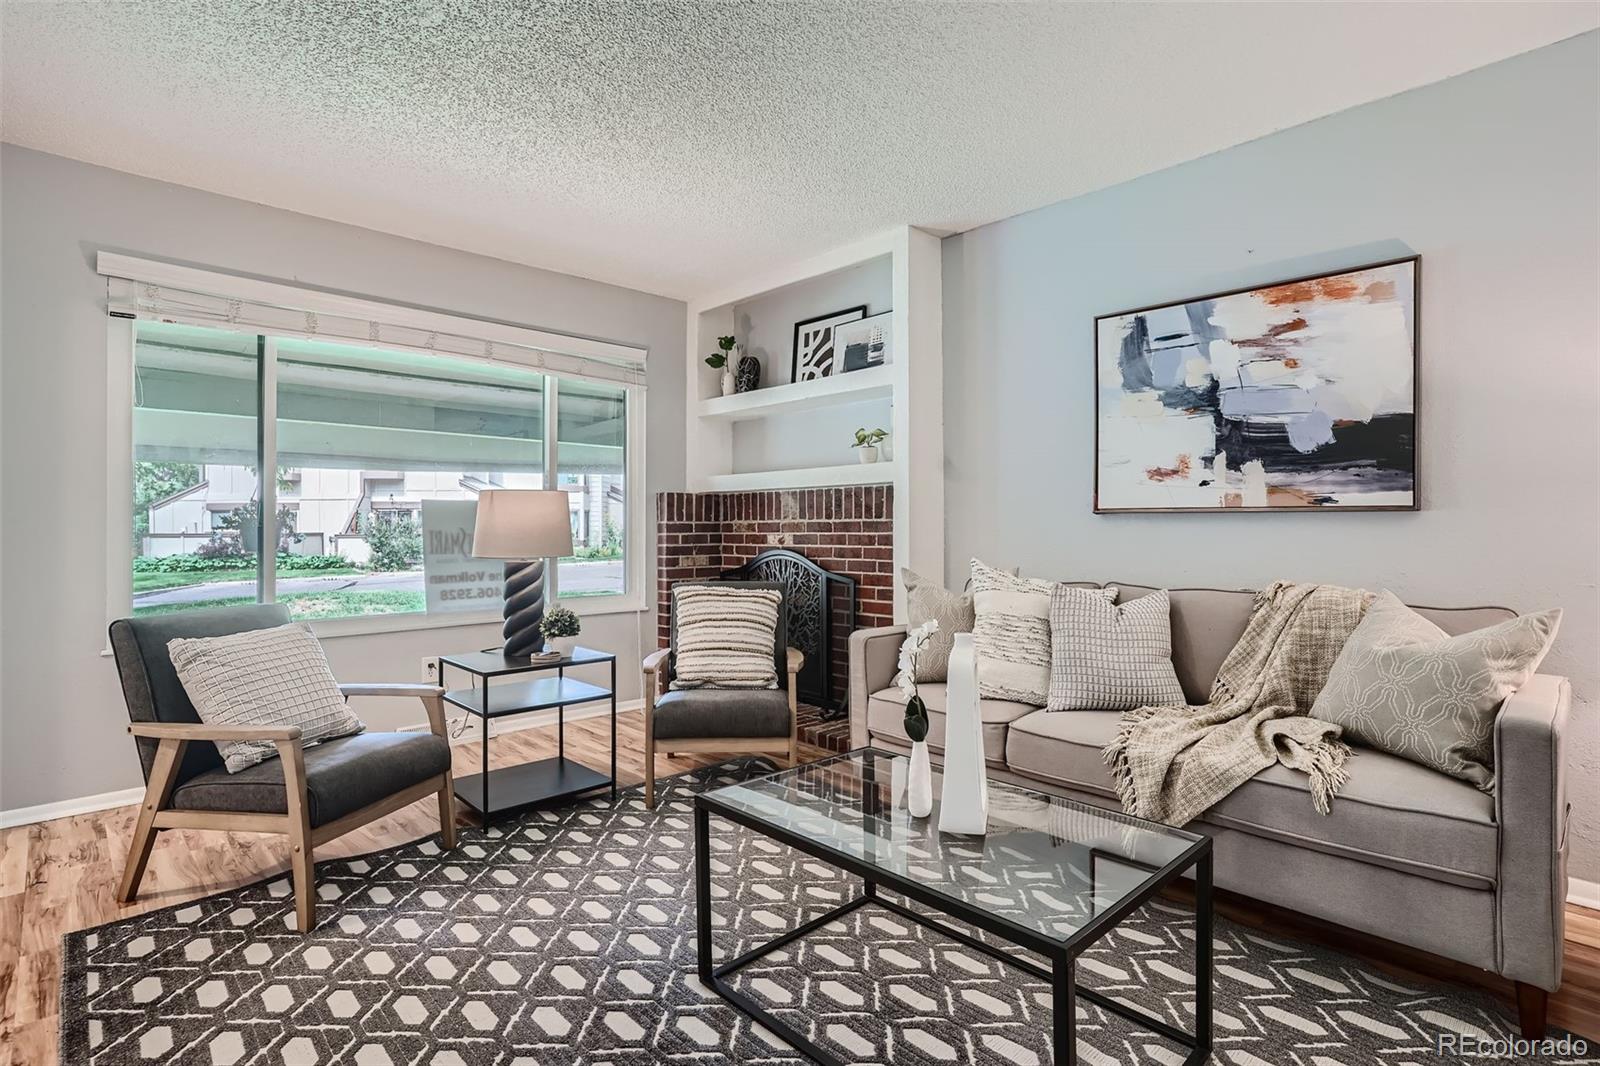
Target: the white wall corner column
(918, 409)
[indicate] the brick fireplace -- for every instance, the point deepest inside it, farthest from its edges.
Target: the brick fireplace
(846, 530)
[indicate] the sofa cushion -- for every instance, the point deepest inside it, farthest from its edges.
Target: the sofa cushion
(723, 713)
(342, 776)
(886, 713)
(1390, 812)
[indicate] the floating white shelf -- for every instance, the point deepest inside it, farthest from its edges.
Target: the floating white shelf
(800, 395)
(813, 477)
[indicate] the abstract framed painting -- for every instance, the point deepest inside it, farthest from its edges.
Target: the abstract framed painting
(814, 344)
(1295, 396)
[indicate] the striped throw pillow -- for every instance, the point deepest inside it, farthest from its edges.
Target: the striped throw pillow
(725, 637)
(263, 677)
(1012, 634)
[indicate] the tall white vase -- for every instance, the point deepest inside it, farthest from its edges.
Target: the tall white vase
(964, 803)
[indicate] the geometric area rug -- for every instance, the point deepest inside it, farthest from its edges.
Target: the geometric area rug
(566, 936)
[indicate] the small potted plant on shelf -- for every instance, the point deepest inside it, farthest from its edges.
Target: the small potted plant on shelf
(560, 627)
(919, 787)
(867, 441)
(722, 360)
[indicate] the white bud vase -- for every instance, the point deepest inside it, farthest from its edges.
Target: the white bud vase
(919, 789)
(728, 383)
(964, 801)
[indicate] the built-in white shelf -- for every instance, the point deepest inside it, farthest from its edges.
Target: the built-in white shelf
(868, 384)
(811, 477)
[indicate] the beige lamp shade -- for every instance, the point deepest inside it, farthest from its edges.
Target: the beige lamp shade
(522, 524)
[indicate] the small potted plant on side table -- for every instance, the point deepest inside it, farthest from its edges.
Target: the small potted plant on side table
(919, 787)
(560, 627)
(867, 441)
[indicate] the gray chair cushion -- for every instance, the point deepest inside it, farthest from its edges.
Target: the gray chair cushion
(886, 717)
(150, 685)
(722, 713)
(1391, 812)
(342, 776)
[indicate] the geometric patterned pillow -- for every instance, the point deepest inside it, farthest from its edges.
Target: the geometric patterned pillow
(929, 601)
(262, 677)
(1404, 686)
(1110, 657)
(1011, 634)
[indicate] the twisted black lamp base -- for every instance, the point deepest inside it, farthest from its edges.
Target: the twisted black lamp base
(524, 609)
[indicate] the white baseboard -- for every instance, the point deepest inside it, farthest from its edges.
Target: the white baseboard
(1583, 893)
(44, 812)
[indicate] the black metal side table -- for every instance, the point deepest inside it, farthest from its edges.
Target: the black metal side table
(494, 792)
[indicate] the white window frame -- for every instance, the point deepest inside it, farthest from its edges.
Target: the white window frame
(121, 336)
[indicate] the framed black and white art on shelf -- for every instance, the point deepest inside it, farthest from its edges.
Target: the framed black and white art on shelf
(815, 348)
(866, 343)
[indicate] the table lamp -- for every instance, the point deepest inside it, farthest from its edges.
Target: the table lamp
(524, 527)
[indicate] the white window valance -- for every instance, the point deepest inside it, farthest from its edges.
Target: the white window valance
(150, 289)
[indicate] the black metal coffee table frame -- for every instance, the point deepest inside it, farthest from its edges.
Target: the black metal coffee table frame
(1062, 954)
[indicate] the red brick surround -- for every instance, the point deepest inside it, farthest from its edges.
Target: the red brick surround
(846, 530)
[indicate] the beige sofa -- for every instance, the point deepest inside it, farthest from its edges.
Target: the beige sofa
(1406, 854)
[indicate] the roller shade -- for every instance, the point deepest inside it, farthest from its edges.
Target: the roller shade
(151, 290)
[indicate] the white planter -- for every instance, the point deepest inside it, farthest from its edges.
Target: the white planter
(728, 384)
(564, 645)
(867, 454)
(919, 789)
(964, 801)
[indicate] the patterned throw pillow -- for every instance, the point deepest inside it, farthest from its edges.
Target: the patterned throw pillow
(1403, 685)
(263, 677)
(724, 637)
(1110, 657)
(1011, 634)
(930, 601)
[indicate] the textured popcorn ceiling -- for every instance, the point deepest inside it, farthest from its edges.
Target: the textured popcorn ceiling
(675, 147)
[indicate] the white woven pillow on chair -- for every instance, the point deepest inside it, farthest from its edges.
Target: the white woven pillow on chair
(724, 637)
(262, 677)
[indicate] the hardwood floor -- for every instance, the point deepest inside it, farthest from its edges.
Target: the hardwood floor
(59, 876)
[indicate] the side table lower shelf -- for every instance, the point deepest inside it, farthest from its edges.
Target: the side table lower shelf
(527, 784)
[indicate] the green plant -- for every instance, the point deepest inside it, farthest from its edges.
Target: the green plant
(719, 359)
(395, 542)
(869, 438)
(559, 622)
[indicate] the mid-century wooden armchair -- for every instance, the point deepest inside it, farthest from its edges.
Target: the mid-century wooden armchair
(311, 795)
(761, 721)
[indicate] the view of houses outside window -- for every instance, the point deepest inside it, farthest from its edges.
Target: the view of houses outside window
(363, 437)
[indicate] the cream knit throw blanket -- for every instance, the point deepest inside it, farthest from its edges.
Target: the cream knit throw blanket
(1172, 763)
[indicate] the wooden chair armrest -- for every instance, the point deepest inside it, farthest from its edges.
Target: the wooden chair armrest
(421, 691)
(656, 659)
(797, 659)
(203, 731)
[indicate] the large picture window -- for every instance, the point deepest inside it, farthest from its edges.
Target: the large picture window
(358, 441)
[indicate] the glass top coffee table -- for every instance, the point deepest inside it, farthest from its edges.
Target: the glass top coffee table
(1051, 875)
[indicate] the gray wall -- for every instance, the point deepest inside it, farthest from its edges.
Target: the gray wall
(765, 325)
(61, 713)
(1491, 176)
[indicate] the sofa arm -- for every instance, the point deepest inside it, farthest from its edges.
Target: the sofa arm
(1531, 809)
(874, 660)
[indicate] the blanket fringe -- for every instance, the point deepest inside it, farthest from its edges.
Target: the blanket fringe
(1115, 756)
(1327, 772)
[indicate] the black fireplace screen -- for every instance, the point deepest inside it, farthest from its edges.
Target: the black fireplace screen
(820, 612)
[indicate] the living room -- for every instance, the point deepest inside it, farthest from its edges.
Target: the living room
(641, 383)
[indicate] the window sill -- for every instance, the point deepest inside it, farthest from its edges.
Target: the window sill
(584, 607)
